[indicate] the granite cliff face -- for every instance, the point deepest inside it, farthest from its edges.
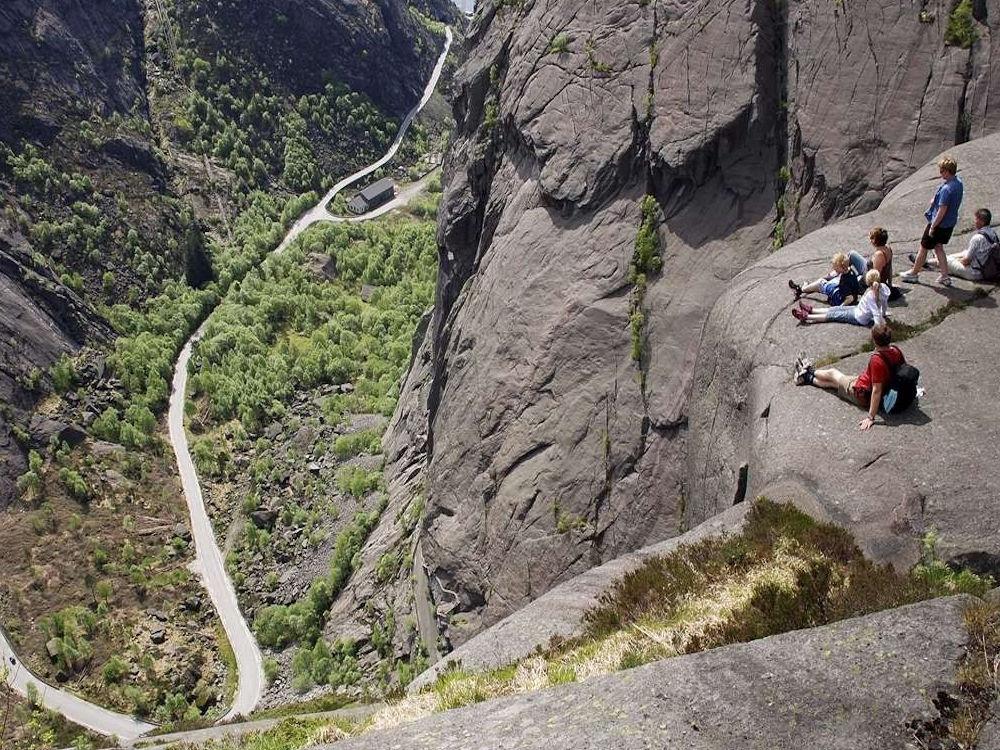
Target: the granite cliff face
(546, 417)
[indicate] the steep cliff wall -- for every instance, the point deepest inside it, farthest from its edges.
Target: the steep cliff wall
(555, 396)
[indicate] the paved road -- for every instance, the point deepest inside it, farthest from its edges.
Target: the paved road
(319, 212)
(208, 558)
(75, 709)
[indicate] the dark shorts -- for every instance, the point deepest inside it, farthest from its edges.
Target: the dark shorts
(939, 236)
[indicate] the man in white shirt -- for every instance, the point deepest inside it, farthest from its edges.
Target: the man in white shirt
(969, 264)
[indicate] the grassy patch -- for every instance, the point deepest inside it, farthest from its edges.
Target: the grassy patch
(229, 659)
(328, 702)
(290, 734)
(783, 572)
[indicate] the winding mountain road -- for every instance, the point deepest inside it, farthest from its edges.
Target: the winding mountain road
(209, 561)
(208, 557)
(77, 710)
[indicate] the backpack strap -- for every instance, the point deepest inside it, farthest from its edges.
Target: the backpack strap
(888, 363)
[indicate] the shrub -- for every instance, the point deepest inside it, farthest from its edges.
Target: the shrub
(357, 481)
(75, 484)
(63, 374)
(68, 632)
(114, 671)
(559, 44)
(368, 441)
(961, 28)
(270, 670)
(30, 483)
(646, 258)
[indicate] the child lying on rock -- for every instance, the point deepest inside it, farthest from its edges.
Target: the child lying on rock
(872, 308)
(840, 286)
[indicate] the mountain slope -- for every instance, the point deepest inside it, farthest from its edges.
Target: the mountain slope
(150, 153)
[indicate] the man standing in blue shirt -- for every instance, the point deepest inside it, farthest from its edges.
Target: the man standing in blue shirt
(942, 216)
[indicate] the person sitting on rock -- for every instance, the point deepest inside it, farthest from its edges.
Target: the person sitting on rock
(880, 260)
(942, 216)
(871, 309)
(864, 390)
(840, 286)
(969, 264)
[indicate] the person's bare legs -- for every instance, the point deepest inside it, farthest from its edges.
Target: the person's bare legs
(814, 286)
(942, 260)
(828, 377)
(918, 263)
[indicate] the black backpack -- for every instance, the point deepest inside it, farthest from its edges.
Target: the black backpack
(902, 390)
(990, 268)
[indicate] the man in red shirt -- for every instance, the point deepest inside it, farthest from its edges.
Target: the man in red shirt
(865, 390)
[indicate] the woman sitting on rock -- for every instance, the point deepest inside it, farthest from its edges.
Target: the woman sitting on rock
(840, 286)
(880, 260)
(872, 308)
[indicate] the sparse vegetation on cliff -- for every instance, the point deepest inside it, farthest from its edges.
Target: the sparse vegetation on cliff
(961, 28)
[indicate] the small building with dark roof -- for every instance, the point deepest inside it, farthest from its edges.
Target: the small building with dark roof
(373, 196)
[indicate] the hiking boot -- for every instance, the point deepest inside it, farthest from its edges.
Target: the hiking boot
(944, 280)
(803, 305)
(909, 277)
(795, 288)
(804, 376)
(799, 314)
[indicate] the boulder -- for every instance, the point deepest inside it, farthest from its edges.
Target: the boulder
(264, 518)
(321, 265)
(42, 430)
(853, 684)
(182, 532)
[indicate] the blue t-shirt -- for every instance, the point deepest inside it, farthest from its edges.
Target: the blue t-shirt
(950, 195)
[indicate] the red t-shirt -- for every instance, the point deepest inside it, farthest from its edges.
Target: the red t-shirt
(877, 372)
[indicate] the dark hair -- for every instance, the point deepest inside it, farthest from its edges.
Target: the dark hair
(985, 216)
(879, 236)
(882, 335)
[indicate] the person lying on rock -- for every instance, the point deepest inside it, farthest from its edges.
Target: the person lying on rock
(970, 263)
(872, 308)
(840, 286)
(942, 216)
(880, 260)
(864, 390)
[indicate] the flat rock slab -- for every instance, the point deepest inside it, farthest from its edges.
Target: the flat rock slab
(916, 471)
(851, 685)
(559, 612)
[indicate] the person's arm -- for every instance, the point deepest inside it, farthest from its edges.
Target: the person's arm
(939, 216)
(867, 422)
(966, 258)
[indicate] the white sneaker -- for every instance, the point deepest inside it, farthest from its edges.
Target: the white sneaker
(909, 277)
(944, 280)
